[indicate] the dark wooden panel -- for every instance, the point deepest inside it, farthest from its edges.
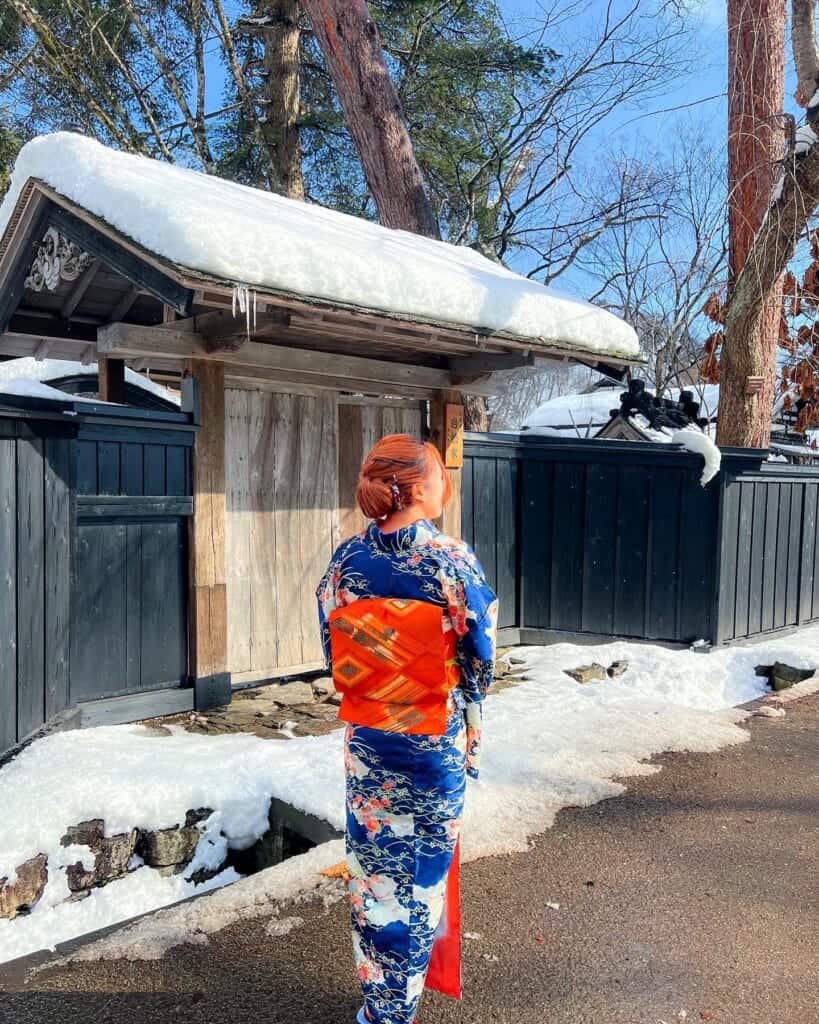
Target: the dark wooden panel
(162, 600)
(132, 475)
(57, 574)
(108, 467)
(794, 554)
(176, 477)
(769, 555)
(757, 556)
(8, 593)
(809, 528)
(133, 605)
(745, 526)
(98, 506)
(568, 528)
(467, 502)
(30, 588)
(485, 501)
(599, 549)
(86, 462)
(663, 559)
(815, 610)
(782, 541)
(631, 551)
(154, 466)
(698, 522)
(99, 613)
(536, 542)
(507, 558)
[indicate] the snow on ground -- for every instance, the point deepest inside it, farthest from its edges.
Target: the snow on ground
(262, 240)
(48, 370)
(549, 743)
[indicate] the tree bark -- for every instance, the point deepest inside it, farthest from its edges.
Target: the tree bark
(276, 23)
(756, 77)
(351, 45)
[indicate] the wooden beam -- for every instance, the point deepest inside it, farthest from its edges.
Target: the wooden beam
(76, 295)
(298, 365)
(208, 579)
(125, 303)
(160, 285)
(488, 362)
(111, 375)
(450, 520)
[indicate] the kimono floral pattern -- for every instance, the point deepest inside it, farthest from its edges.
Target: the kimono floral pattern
(405, 793)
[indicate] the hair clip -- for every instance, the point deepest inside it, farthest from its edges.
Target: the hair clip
(396, 493)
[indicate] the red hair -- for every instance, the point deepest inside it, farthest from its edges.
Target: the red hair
(396, 461)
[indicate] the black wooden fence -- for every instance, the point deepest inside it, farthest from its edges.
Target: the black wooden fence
(620, 539)
(93, 516)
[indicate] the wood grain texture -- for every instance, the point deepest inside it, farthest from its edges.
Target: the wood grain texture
(264, 596)
(8, 594)
(238, 515)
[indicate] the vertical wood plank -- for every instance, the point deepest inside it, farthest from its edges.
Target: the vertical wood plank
(162, 648)
(484, 485)
(769, 557)
(57, 573)
(155, 469)
(664, 555)
(30, 587)
(108, 474)
(133, 481)
(743, 569)
(808, 549)
(536, 564)
(111, 379)
(794, 545)
(207, 532)
(757, 558)
(631, 551)
(318, 488)
(289, 415)
(568, 518)
(506, 542)
(782, 541)
(350, 456)
(599, 549)
(265, 594)
(8, 593)
(134, 601)
(450, 521)
(238, 516)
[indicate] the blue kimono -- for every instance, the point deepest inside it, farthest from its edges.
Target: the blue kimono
(405, 793)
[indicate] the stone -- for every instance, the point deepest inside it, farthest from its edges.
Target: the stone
(111, 853)
(783, 676)
(617, 669)
(194, 817)
(517, 659)
(587, 673)
(334, 698)
(323, 688)
(501, 669)
(167, 846)
(25, 892)
(291, 693)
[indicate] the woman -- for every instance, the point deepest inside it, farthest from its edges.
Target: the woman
(405, 788)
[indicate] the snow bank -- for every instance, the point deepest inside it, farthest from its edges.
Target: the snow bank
(549, 743)
(694, 440)
(46, 370)
(261, 240)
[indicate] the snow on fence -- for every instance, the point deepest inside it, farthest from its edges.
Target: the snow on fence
(608, 539)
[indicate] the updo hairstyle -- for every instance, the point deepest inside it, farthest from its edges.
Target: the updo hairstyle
(393, 465)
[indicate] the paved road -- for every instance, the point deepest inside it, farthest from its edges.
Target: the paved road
(696, 891)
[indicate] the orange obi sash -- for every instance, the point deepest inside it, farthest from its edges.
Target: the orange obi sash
(393, 664)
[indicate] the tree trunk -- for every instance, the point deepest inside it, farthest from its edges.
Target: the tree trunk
(351, 45)
(281, 40)
(756, 76)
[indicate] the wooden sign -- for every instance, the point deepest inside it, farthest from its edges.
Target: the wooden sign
(454, 437)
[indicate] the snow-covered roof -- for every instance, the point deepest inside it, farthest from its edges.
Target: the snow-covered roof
(248, 237)
(583, 415)
(45, 370)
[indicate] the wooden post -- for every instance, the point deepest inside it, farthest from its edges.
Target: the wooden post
(450, 521)
(111, 373)
(208, 580)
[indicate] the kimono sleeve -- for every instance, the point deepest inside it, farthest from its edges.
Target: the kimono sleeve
(326, 597)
